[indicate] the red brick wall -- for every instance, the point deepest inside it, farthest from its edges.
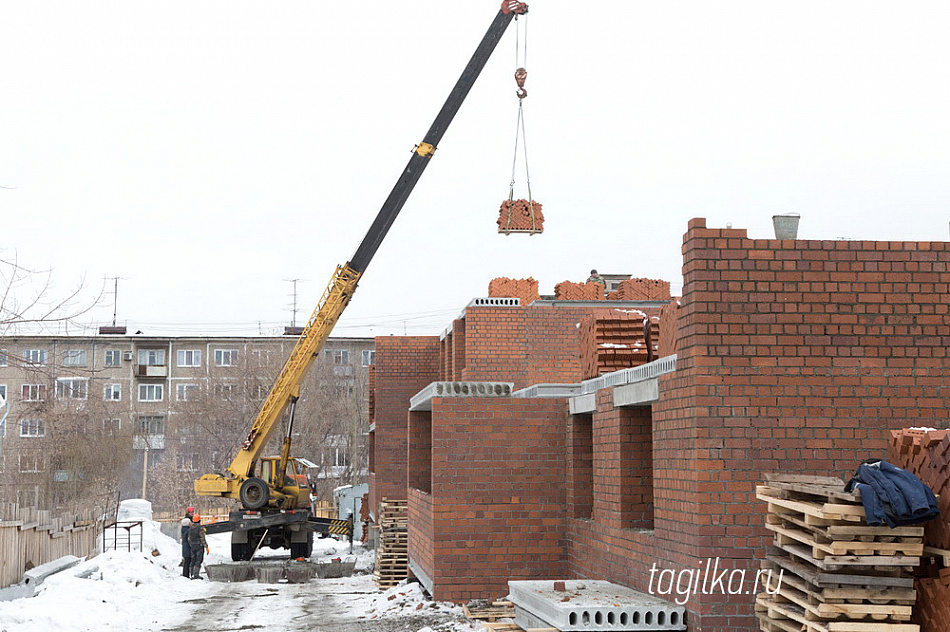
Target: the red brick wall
(793, 356)
(404, 365)
(498, 501)
(525, 345)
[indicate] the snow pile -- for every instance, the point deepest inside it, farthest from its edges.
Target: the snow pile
(405, 599)
(116, 590)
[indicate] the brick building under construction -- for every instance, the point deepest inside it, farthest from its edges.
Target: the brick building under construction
(781, 356)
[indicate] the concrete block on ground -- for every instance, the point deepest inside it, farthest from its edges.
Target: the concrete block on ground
(594, 605)
(36, 575)
(269, 574)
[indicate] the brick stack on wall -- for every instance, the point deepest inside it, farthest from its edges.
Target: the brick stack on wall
(926, 453)
(525, 289)
(570, 291)
(642, 290)
(614, 339)
(669, 326)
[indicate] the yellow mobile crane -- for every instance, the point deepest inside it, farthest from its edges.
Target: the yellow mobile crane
(274, 491)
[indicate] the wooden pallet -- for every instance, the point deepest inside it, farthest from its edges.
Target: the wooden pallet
(838, 574)
(490, 612)
(512, 627)
(775, 615)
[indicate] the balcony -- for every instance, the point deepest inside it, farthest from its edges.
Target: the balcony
(150, 442)
(151, 370)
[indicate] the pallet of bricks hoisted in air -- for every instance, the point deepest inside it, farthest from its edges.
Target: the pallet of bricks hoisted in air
(392, 554)
(830, 570)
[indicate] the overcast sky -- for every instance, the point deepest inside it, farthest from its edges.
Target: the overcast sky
(206, 152)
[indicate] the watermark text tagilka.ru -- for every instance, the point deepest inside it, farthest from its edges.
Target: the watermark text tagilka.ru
(711, 579)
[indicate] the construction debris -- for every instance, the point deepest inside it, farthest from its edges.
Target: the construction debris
(829, 570)
(524, 289)
(392, 556)
(569, 291)
(616, 339)
(520, 216)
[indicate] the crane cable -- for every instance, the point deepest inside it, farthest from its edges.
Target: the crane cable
(520, 75)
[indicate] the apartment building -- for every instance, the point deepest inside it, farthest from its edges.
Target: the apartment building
(150, 413)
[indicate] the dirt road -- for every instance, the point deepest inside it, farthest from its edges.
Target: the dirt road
(332, 605)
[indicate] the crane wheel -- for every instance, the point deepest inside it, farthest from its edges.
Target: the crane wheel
(254, 493)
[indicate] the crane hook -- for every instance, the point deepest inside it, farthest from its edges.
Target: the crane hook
(520, 75)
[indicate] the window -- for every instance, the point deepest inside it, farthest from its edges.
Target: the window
(32, 428)
(151, 392)
(186, 463)
(225, 357)
(74, 357)
(258, 392)
(35, 356)
(30, 463)
(368, 357)
(339, 356)
(113, 392)
(33, 392)
(263, 357)
(113, 357)
(339, 457)
(222, 392)
(3, 357)
(3, 391)
(187, 392)
(152, 357)
(189, 357)
(112, 426)
(28, 496)
(72, 387)
(151, 425)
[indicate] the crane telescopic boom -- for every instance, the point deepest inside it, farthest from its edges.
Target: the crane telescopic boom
(238, 481)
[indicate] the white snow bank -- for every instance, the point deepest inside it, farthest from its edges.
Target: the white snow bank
(134, 509)
(117, 590)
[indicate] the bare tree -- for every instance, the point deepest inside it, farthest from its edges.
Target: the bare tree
(30, 302)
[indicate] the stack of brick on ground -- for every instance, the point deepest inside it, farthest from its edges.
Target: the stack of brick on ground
(524, 289)
(570, 291)
(641, 290)
(392, 556)
(615, 339)
(520, 216)
(926, 454)
(837, 573)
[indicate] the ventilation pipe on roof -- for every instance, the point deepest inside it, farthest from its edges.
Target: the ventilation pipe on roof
(786, 225)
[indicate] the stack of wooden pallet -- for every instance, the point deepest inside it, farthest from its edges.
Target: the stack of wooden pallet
(392, 554)
(489, 611)
(830, 571)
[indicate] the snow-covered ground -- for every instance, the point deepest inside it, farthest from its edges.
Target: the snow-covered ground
(145, 591)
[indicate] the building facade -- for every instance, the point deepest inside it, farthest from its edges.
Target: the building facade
(154, 412)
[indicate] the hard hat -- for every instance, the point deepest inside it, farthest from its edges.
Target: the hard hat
(196, 518)
(190, 510)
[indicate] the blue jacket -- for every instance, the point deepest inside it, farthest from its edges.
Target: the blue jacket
(891, 495)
